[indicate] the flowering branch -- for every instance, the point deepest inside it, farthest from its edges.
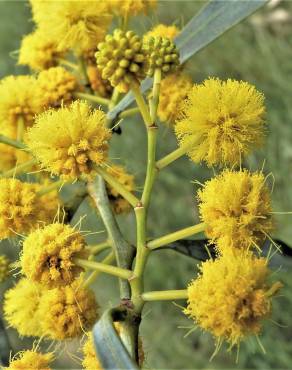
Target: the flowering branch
(15, 143)
(18, 169)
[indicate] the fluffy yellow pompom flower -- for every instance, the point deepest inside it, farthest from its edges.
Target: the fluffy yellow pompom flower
(162, 30)
(77, 140)
(236, 208)
(21, 209)
(20, 307)
(119, 204)
(31, 360)
(48, 252)
(173, 90)
(4, 267)
(221, 121)
(19, 98)
(57, 86)
(67, 311)
(132, 7)
(39, 51)
(231, 296)
(90, 360)
(78, 25)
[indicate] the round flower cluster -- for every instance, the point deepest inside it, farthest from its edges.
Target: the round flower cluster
(39, 51)
(236, 209)
(57, 86)
(125, 8)
(57, 314)
(122, 59)
(48, 253)
(77, 25)
(221, 121)
(77, 141)
(21, 209)
(231, 296)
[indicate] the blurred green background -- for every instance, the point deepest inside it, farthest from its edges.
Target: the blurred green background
(259, 50)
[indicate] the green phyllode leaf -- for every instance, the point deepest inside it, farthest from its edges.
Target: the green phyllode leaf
(111, 352)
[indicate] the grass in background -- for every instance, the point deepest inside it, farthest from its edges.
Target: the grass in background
(253, 52)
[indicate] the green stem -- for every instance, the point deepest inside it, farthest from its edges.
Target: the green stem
(92, 98)
(123, 250)
(53, 186)
(98, 266)
(95, 249)
(128, 113)
(165, 295)
(151, 172)
(155, 94)
(171, 157)
(177, 235)
(117, 186)
(83, 72)
(109, 259)
(19, 168)
(136, 282)
(135, 87)
(16, 144)
(20, 129)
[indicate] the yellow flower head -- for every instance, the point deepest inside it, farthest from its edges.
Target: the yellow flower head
(98, 84)
(132, 7)
(21, 209)
(173, 90)
(221, 121)
(20, 307)
(67, 311)
(121, 59)
(231, 296)
(19, 98)
(48, 252)
(90, 359)
(39, 51)
(120, 205)
(162, 30)
(31, 360)
(236, 208)
(4, 267)
(77, 140)
(78, 25)
(57, 86)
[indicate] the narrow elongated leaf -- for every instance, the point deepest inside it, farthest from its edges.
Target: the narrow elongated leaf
(110, 350)
(212, 21)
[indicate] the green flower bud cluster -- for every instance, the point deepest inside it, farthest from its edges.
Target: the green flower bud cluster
(4, 267)
(162, 54)
(121, 58)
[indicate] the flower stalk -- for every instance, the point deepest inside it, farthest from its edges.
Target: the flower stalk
(96, 249)
(165, 295)
(108, 260)
(15, 143)
(92, 98)
(135, 87)
(117, 186)
(99, 266)
(53, 186)
(177, 235)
